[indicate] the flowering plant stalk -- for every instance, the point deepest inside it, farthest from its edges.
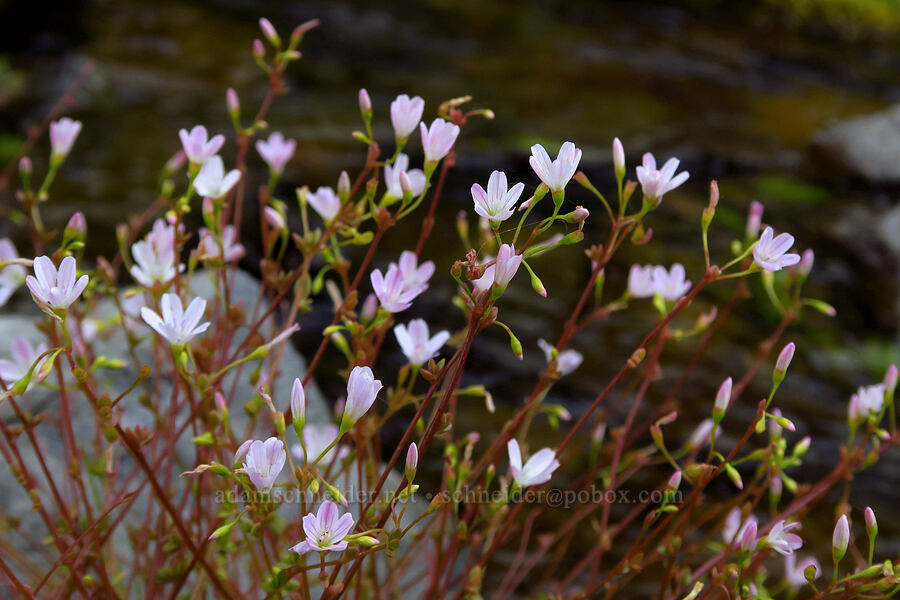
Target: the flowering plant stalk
(169, 468)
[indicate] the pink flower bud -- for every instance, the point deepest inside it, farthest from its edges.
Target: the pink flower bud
(77, 225)
(365, 103)
(618, 158)
(232, 101)
(412, 462)
(268, 30)
(405, 184)
(219, 399)
(62, 136)
(25, 165)
(580, 214)
(723, 399)
(274, 219)
(674, 481)
(754, 219)
(259, 51)
(748, 537)
(840, 539)
(784, 360)
(871, 523)
(713, 194)
(806, 262)
(298, 404)
(890, 379)
(241, 452)
(343, 186)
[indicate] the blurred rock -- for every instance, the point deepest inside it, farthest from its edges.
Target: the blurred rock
(866, 147)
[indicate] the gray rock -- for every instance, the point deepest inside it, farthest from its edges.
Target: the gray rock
(866, 147)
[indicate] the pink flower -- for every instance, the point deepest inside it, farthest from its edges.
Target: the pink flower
(640, 281)
(866, 402)
(795, 572)
(555, 173)
(670, 284)
(392, 174)
(438, 139)
(325, 531)
(414, 274)
(325, 202)
(11, 276)
(769, 251)
(362, 388)
(232, 250)
(212, 181)
(656, 183)
(54, 290)
(566, 361)
(263, 462)
(754, 219)
(154, 256)
(781, 540)
(177, 325)
(536, 471)
(274, 218)
(22, 356)
(406, 113)
(62, 136)
(416, 343)
(392, 292)
(197, 145)
(498, 202)
(277, 151)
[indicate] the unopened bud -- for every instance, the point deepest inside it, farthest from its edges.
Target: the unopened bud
(274, 218)
(298, 407)
(871, 523)
(232, 102)
(259, 51)
(343, 186)
(723, 399)
(674, 482)
(890, 379)
(25, 167)
(412, 462)
(806, 262)
(748, 537)
(754, 219)
(840, 539)
(268, 30)
(365, 104)
(783, 362)
(618, 158)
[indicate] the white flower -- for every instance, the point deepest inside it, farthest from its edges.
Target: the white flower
(438, 139)
(670, 284)
(555, 173)
(362, 388)
(536, 471)
(277, 151)
(11, 276)
(325, 531)
(22, 356)
(316, 438)
(770, 251)
(414, 274)
(640, 281)
(263, 462)
(499, 201)
(406, 113)
(795, 572)
(325, 202)
(781, 540)
(392, 292)
(566, 361)
(868, 400)
(54, 290)
(232, 250)
(197, 145)
(154, 256)
(62, 136)
(416, 343)
(392, 177)
(212, 181)
(177, 325)
(655, 183)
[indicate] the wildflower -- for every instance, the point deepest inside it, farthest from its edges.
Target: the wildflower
(414, 274)
(795, 572)
(416, 343)
(670, 284)
(177, 325)
(11, 276)
(618, 158)
(392, 291)
(212, 181)
(154, 256)
(54, 290)
(62, 136)
(566, 361)
(263, 462)
(325, 531)
(438, 139)
(769, 251)
(506, 265)
(732, 524)
(867, 401)
(781, 540)
(362, 388)
(325, 202)
(499, 201)
(657, 183)
(754, 219)
(406, 113)
(393, 173)
(840, 539)
(536, 471)
(198, 146)
(317, 438)
(640, 281)
(555, 173)
(231, 250)
(276, 151)
(22, 357)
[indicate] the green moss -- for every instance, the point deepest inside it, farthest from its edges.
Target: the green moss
(790, 190)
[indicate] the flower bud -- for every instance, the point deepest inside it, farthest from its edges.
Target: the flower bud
(406, 186)
(840, 539)
(806, 262)
(232, 102)
(343, 186)
(412, 461)
(783, 362)
(269, 32)
(241, 452)
(713, 194)
(298, 406)
(618, 158)
(890, 379)
(274, 218)
(25, 166)
(259, 51)
(579, 215)
(802, 447)
(365, 104)
(748, 537)
(219, 401)
(871, 523)
(754, 219)
(76, 227)
(674, 482)
(723, 398)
